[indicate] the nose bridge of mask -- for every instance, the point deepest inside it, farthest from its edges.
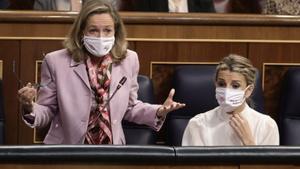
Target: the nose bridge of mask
(107, 40)
(103, 39)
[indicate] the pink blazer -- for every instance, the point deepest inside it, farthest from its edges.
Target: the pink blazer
(66, 101)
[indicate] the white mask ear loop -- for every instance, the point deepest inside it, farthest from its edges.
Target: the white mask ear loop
(245, 91)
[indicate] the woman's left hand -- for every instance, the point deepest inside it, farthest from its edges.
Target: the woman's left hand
(242, 128)
(169, 105)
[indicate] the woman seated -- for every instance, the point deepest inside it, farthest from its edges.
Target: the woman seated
(233, 122)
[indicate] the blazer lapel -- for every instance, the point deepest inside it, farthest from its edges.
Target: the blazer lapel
(114, 81)
(116, 77)
(80, 70)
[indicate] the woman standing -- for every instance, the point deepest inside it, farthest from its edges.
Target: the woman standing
(89, 87)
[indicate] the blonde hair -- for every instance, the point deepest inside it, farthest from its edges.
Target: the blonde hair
(238, 64)
(74, 44)
(242, 65)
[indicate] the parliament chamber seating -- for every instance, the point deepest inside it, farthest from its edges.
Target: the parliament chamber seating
(289, 114)
(162, 41)
(194, 85)
(136, 134)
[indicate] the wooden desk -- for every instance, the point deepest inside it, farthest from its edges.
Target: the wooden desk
(149, 157)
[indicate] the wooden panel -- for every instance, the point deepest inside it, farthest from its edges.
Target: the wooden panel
(32, 51)
(184, 52)
(273, 76)
(27, 30)
(159, 26)
(8, 53)
(209, 32)
(273, 53)
(260, 53)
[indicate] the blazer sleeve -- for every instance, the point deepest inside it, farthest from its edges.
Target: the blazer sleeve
(46, 105)
(138, 111)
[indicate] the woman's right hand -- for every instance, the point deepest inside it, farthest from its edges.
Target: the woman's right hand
(26, 97)
(242, 128)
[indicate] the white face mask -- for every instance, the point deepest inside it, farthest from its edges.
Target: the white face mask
(229, 99)
(98, 46)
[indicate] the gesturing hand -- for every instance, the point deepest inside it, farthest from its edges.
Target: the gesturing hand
(26, 96)
(169, 105)
(242, 128)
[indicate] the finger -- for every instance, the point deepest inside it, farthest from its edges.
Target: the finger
(25, 89)
(233, 125)
(242, 122)
(180, 105)
(22, 90)
(28, 84)
(167, 108)
(238, 118)
(27, 95)
(236, 128)
(162, 108)
(240, 127)
(173, 105)
(171, 94)
(25, 98)
(176, 105)
(22, 96)
(241, 119)
(235, 121)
